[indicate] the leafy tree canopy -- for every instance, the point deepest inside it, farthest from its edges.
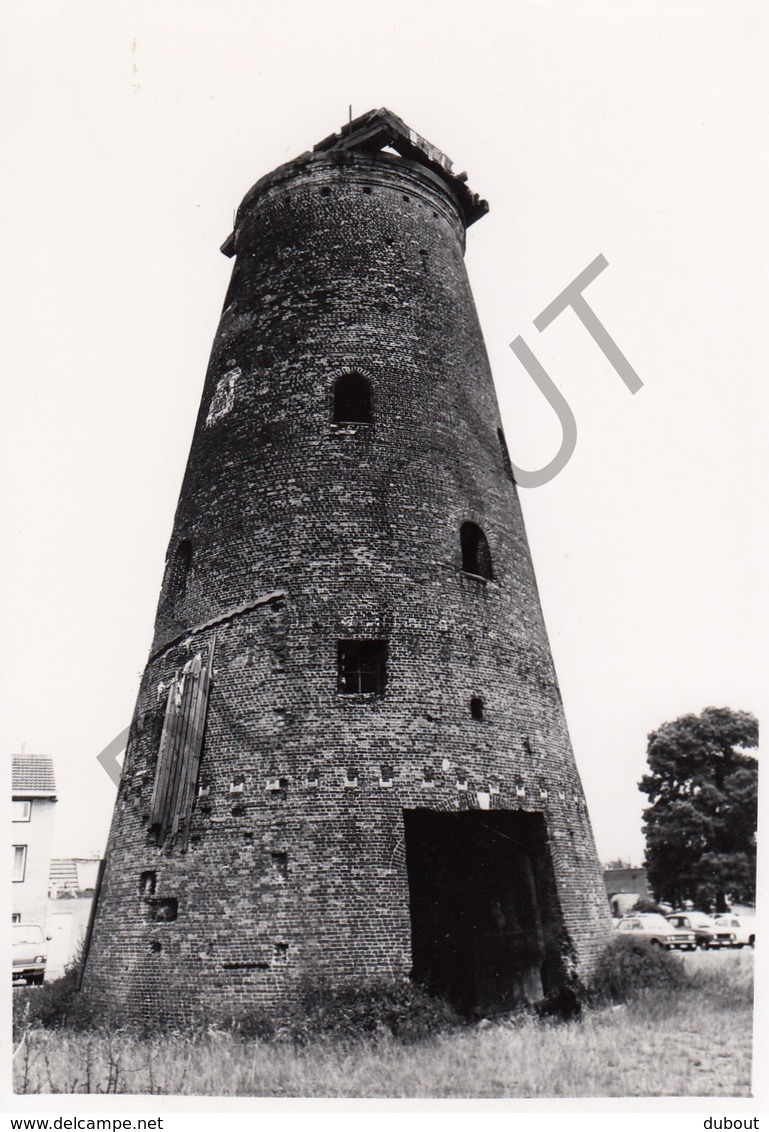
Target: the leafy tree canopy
(700, 827)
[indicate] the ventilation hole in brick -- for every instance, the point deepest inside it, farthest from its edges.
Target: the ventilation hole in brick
(429, 775)
(165, 910)
(423, 251)
(279, 860)
(404, 197)
(351, 776)
(156, 946)
(237, 786)
(313, 778)
(436, 216)
(476, 707)
(248, 835)
(367, 190)
(527, 745)
(147, 882)
(325, 190)
(386, 775)
(461, 782)
(281, 950)
(389, 241)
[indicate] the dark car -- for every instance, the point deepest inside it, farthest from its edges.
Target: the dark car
(707, 931)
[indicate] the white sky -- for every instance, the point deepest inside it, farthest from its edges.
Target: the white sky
(637, 130)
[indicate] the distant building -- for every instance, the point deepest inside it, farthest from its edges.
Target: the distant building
(72, 884)
(33, 799)
(624, 887)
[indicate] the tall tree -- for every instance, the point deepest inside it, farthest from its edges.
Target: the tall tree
(701, 825)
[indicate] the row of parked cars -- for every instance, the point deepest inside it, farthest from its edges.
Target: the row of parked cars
(685, 931)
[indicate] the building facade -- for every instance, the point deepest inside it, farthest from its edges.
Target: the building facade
(33, 791)
(349, 757)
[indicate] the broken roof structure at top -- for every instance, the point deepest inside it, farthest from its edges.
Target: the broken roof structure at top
(373, 133)
(378, 129)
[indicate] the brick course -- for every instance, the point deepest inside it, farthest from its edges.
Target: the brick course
(304, 532)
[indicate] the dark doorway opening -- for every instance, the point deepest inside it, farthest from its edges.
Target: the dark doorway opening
(486, 928)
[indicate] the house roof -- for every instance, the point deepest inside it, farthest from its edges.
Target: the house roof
(32, 777)
(63, 873)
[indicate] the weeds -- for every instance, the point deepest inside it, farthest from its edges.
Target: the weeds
(689, 1037)
(629, 967)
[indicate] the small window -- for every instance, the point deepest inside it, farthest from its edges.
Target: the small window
(476, 707)
(505, 455)
(179, 570)
(15, 917)
(476, 556)
(21, 811)
(147, 881)
(19, 863)
(362, 667)
(352, 399)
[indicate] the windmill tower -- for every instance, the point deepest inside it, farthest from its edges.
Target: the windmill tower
(349, 755)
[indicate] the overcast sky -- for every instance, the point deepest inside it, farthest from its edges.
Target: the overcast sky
(632, 130)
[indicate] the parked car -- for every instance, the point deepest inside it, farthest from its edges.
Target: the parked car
(30, 953)
(657, 931)
(708, 932)
(742, 927)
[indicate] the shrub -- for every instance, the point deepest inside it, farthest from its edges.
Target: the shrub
(400, 1009)
(628, 967)
(53, 1006)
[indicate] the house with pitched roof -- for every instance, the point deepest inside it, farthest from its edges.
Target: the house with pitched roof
(33, 789)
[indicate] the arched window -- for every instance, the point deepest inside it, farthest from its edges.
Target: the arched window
(476, 556)
(179, 570)
(352, 398)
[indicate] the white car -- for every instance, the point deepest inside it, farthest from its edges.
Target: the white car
(30, 952)
(743, 928)
(657, 931)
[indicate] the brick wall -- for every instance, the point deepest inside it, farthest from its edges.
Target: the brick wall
(293, 532)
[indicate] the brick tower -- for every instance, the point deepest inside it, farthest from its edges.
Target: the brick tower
(349, 755)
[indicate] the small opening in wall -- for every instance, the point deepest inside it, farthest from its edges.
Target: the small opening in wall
(179, 570)
(147, 883)
(165, 910)
(325, 190)
(156, 946)
(279, 859)
(476, 707)
(476, 555)
(367, 190)
(386, 775)
(505, 455)
(428, 775)
(361, 667)
(352, 399)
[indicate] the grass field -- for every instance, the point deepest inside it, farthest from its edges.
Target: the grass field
(690, 1042)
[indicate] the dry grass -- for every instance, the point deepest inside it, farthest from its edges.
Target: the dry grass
(694, 1042)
